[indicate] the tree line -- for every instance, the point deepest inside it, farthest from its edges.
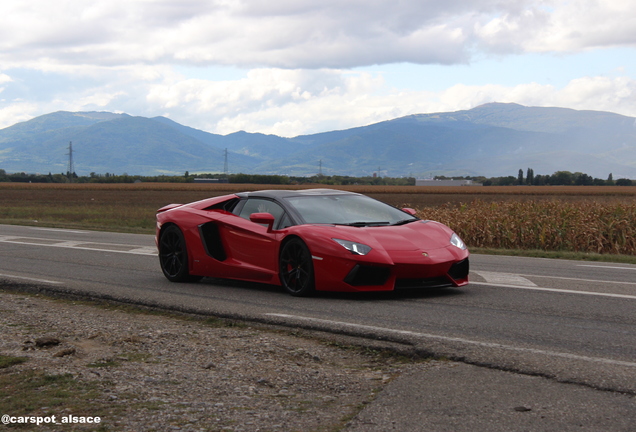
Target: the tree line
(190, 178)
(561, 178)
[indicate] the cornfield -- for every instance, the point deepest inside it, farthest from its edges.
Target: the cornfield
(550, 225)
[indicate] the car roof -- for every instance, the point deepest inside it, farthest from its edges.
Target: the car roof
(280, 193)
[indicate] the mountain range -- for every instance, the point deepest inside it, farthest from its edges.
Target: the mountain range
(494, 139)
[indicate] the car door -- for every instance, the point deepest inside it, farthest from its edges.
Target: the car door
(252, 249)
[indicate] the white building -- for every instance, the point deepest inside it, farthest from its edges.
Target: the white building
(430, 182)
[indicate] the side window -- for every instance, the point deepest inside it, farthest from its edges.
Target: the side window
(257, 205)
(285, 222)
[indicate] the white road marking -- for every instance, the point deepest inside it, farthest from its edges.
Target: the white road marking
(60, 230)
(81, 245)
(566, 291)
(30, 279)
(145, 250)
(456, 339)
(606, 267)
(579, 279)
(505, 278)
(69, 244)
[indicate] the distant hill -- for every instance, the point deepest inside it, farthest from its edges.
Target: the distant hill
(492, 140)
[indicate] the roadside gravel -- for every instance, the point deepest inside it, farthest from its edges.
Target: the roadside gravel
(156, 372)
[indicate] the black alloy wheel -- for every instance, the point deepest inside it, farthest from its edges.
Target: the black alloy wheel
(173, 255)
(296, 268)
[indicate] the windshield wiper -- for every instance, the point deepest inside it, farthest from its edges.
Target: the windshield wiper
(363, 224)
(405, 221)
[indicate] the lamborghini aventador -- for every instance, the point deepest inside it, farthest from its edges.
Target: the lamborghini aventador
(307, 240)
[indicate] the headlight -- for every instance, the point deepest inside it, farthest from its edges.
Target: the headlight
(457, 242)
(353, 247)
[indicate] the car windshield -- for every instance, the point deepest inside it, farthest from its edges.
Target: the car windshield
(356, 210)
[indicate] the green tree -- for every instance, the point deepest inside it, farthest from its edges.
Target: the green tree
(565, 178)
(506, 181)
(540, 180)
(599, 182)
(530, 176)
(582, 179)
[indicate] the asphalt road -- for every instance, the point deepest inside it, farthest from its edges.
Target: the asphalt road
(570, 321)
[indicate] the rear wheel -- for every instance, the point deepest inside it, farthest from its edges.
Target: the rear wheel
(296, 268)
(173, 256)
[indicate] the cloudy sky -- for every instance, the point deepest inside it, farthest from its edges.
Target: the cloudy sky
(291, 67)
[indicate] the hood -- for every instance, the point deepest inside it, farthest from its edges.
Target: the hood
(414, 236)
(418, 235)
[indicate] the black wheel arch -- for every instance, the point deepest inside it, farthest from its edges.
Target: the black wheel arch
(183, 276)
(308, 288)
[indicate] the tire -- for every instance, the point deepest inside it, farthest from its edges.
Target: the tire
(296, 268)
(173, 256)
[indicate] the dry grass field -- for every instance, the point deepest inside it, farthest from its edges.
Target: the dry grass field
(598, 219)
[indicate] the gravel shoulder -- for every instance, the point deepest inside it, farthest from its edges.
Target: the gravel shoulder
(158, 372)
(143, 370)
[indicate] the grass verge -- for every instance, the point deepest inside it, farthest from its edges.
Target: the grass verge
(29, 393)
(576, 256)
(8, 361)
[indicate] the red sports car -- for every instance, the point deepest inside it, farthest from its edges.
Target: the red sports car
(306, 240)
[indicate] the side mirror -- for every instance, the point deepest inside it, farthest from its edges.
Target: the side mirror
(409, 211)
(263, 219)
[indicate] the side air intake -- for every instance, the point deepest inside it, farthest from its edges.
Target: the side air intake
(211, 238)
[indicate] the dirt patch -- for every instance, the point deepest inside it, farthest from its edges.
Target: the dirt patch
(152, 372)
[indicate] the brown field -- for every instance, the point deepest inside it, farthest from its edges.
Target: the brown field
(577, 218)
(549, 225)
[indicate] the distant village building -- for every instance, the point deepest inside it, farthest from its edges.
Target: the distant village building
(207, 180)
(432, 182)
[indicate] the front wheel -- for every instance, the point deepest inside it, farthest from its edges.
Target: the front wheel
(173, 255)
(296, 268)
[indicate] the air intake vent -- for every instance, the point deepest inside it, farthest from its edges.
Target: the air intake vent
(459, 270)
(362, 275)
(438, 282)
(212, 241)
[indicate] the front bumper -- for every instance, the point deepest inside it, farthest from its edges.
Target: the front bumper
(445, 267)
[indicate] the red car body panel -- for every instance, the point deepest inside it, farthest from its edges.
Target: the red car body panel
(419, 250)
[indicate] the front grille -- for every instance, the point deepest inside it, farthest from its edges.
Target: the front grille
(362, 275)
(437, 282)
(459, 270)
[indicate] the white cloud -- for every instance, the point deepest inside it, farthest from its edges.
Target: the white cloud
(293, 56)
(301, 33)
(4, 79)
(280, 101)
(601, 94)
(290, 103)
(17, 112)
(294, 102)
(561, 26)
(590, 93)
